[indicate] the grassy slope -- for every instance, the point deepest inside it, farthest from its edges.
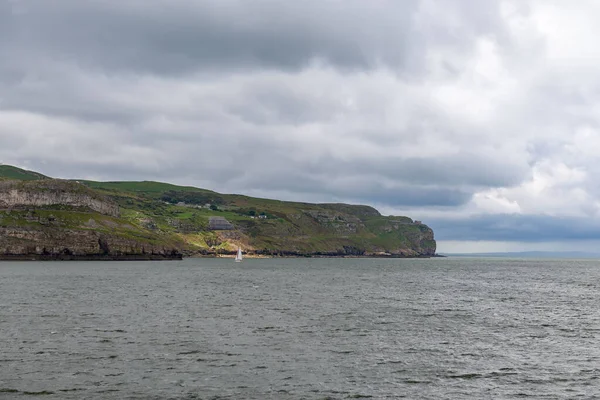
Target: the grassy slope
(10, 172)
(76, 219)
(149, 209)
(287, 227)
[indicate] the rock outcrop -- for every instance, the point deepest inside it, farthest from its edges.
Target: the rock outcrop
(53, 192)
(55, 219)
(76, 244)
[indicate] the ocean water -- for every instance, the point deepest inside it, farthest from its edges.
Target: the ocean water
(300, 329)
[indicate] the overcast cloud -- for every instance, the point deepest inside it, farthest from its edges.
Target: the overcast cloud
(479, 117)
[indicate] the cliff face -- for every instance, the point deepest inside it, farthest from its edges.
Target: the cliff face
(64, 244)
(53, 219)
(335, 233)
(403, 236)
(51, 192)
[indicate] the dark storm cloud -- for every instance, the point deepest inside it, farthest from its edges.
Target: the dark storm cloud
(173, 37)
(395, 183)
(466, 169)
(405, 196)
(357, 189)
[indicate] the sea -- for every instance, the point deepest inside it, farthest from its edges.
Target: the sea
(283, 328)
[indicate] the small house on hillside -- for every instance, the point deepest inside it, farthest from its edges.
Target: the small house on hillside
(219, 224)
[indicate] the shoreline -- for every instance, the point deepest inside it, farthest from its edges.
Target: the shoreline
(313, 255)
(90, 257)
(179, 257)
(265, 256)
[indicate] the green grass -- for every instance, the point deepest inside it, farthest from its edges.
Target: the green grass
(14, 173)
(148, 187)
(53, 220)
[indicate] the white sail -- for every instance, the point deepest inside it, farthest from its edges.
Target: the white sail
(238, 257)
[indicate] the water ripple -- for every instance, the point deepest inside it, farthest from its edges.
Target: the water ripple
(300, 329)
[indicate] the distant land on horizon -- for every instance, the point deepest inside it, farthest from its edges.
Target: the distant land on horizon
(46, 218)
(530, 254)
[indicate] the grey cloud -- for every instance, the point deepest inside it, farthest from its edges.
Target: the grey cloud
(167, 37)
(277, 165)
(274, 104)
(404, 196)
(357, 189)
(463, 169)
(178, 37)
(516, 228)
(229, 156)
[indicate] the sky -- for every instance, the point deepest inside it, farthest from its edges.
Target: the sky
(480, 118)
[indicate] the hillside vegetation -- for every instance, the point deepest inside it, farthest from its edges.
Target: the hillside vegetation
(10, 172)
(162, 219)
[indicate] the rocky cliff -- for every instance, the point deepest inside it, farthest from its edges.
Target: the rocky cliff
(53, 192)
(77, 244)
(327, 232)
(54, 219)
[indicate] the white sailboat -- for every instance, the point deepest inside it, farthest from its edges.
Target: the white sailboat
(238, 257)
